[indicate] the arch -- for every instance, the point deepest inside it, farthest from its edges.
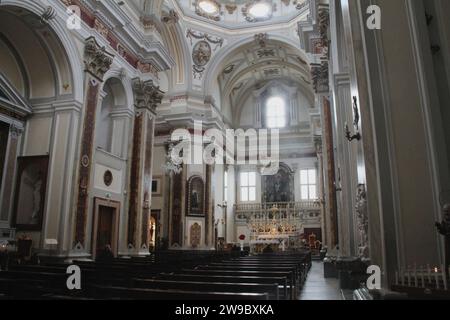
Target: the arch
(116, 103)
(60, 49)
(283, 82)
(180, 75)
(126, 89)
(217, 61)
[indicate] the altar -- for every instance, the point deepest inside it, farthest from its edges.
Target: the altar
(276, 243)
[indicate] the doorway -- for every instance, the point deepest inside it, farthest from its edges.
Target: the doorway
(105, 226)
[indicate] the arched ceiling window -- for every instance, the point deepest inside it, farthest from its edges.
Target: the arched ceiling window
(276, 112)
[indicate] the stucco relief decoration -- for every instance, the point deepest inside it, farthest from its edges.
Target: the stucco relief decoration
(209, 9)
(229, 69)
(146, 94)
(49, 14)
(263, 14)
(101, 28)
(319, 71)
(202, 50)
(147, 68)
(363, 221)
(217, 41)
(201, 54)
(261, 39)
(170, 17)
(231, 8)
(300, 4)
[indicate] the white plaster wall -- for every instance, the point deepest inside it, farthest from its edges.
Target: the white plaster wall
(37, 136)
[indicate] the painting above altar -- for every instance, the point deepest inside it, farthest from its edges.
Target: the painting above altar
(279, 187)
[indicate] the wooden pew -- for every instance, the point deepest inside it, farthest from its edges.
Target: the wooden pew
(271, 289)
(281, 281)
(108, 292)
(288, 274)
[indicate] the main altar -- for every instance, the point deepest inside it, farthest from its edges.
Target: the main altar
(277, 228)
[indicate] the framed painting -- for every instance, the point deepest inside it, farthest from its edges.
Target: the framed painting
(30, 192)
(195, 197)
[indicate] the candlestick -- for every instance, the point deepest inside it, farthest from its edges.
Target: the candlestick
(423, 276)
(409, 276)
(429, 273)
(403, 277)
(436, 277)
(444, 277)
(416, 280)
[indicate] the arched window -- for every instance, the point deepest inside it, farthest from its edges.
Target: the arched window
(275, 112)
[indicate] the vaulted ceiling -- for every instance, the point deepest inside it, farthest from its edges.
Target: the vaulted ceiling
(239, 14)
(252, 66)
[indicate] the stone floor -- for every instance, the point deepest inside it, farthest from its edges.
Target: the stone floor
(319, 288)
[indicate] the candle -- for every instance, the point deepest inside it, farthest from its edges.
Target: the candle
(396, 278)
(436, 277)
(423, 276)
(444, 277)
(429, 273)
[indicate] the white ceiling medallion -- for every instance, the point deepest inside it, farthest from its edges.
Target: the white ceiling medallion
(258, 10)
(209, 9)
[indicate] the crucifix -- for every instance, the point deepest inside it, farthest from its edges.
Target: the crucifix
(444, 229)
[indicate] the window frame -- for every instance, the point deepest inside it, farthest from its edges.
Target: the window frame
(268, 118)
(248, 187)
(308, 185)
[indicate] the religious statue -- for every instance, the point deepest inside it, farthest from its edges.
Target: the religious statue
(444, 229)
(37, 186)
(194, 200)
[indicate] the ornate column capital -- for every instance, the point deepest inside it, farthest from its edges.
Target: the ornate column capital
(16, 130)
(170, 17)
(146, 94)
(97, 60)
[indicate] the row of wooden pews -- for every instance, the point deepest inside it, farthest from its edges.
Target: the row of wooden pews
(165, 276)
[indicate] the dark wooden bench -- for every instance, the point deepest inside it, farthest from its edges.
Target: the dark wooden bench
(281, 281)
(109, 292)
(230, 272)
(271, 289)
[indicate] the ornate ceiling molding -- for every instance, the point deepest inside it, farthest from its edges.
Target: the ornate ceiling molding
(202, 50)
(118, 30)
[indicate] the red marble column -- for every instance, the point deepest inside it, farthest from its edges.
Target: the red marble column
(331, 173)
(97, 61)
(209, 220)
(147, 97)
(176, 232)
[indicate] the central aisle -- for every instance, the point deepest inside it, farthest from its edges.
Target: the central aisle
(318, 288)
